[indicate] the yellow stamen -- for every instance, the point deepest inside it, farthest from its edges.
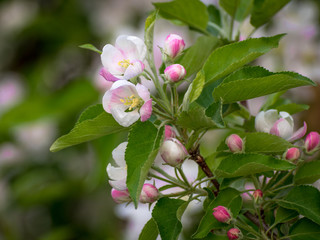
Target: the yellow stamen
(124, 63)
(131, 101)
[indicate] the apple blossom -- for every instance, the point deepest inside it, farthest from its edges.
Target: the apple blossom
(118, 173)
(222, 214)
(280, 124)
(235, 143)
(175, 73)
(120, 196)
(312, 142)
(128, 102)
(149, 193)
(173, 152)
(124, 60)
(292, 154)
(234, 233)
(173, 45)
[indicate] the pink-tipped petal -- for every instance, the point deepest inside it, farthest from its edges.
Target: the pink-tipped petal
(110, 58)
(131, 47)
(146, 110)
(135, 68)
(107, 75)
(169, 132)
(299, 133)
(282, 128)
(143, 92)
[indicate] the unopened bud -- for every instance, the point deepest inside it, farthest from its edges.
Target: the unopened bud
(173, 152)
(169, 132)
(222, 214)
(312, 142)
(235, 143)
(173, 45)
(120, 196)
(234, 233)
(149, 193)
(292, 154)
(257, 195)
(175, 73)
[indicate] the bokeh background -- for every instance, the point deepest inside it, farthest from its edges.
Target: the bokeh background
(46, 81)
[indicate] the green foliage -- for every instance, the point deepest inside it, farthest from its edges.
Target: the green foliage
(192, 12)
(215, 18)
(90, 47)
(254, 82)
(263, 10)
(231, 199)
(292, 108)
(239, 9)
(143, 144)
(237, 165)
(92, 124)
(226, 59)
(150, 231)
(308, 173)
(305, 229)
(284, 215)
(194, 90)
(165, 214)
(197, 54)
(215, 112)
(305, 200)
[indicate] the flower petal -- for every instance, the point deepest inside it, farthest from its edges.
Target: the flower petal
(107, 75)
(118, 154)
(119, 185)
(282, 128)
(286, 116)
(116, 173)
(265, 120)
(125, 119)
(133, 48)
(110, 58)
(146, 110)
(135, 68)
(143, 92)
(299, 133)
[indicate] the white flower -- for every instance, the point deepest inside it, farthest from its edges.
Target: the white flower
(280, 124)
(128, 102)
(118, 173)
(124, 60)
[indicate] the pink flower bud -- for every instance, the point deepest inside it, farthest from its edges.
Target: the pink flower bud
(173, 45)
(169, 132)
(234, 143)
(222, 214)
(149, 193)
(292, 154)
(234, 233)
(173, 152)
(175, 73)
(312, 142)
(257, 194)
(120, 196)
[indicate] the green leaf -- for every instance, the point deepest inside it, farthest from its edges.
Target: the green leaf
(206, 99)
(194, 90)
(237, 165)
(150, 231)
(90, 47)
(215, 18)
(231, 199)
(308, 173)
(292, 108)
(305, 200)
(284, 215)
(240, 9)
(195, 56)
(165, 215)
(192, 12)
(265, 143)
(228, 58)
(305, 229)
(263, 10)
(214, 111)
(195, 118)
(250, 86)
(92, 124)
(143, 144)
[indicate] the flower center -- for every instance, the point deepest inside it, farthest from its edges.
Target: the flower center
(124, 63)
(131, 101)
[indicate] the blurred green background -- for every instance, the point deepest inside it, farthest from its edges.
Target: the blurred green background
(46, 81)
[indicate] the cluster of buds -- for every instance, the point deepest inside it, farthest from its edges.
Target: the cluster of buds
(222, 214)
(235, 143)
